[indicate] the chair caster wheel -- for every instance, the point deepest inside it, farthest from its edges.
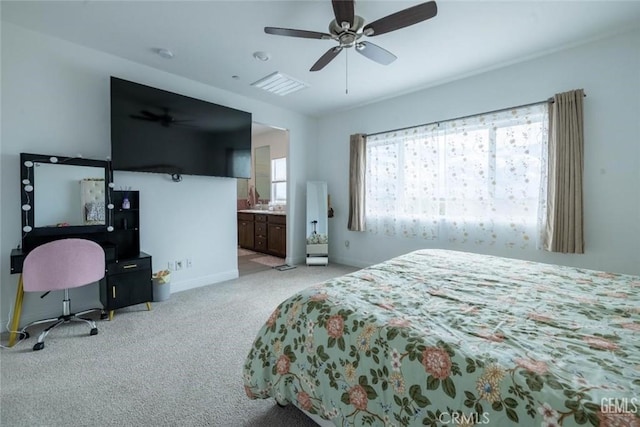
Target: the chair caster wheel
(94, 331)
(38, 346)
(104, 315)
(24, 335)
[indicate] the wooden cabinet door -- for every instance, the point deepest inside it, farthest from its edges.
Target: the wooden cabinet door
(277, 240)
(245, 234)
(127, 283)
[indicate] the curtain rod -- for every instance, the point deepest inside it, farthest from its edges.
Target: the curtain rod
(549, 100)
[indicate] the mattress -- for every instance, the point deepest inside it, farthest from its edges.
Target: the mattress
(439, 337)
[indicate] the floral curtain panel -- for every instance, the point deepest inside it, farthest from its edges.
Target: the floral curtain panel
(479, 179)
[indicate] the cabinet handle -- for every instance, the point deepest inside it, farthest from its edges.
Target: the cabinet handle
(130, 266)
(113, 292)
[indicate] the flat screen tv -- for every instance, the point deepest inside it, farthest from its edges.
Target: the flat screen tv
(153, 130)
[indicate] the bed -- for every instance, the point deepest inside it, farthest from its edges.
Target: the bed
(438, 337)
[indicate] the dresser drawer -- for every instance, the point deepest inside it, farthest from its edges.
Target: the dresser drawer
(245, 216)
(260, 217)
(129, 266)
(261, 244)
(277, 219)
(261, 229)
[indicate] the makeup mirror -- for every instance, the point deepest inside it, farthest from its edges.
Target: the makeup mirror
(68, 195)
(63, 196)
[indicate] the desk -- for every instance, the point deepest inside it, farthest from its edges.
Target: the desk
(135, 275)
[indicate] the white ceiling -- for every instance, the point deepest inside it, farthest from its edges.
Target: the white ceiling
(215, 40)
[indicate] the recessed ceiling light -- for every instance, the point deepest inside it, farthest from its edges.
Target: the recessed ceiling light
(261, 56)
(164, 53)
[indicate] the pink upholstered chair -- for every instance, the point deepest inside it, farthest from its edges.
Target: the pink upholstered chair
(61, 265)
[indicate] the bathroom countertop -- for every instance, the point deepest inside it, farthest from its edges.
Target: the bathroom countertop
(260, 211)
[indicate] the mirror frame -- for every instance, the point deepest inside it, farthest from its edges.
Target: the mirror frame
(33, 236)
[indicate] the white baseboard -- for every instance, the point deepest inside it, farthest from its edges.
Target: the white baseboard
(350, 262)
(203, 281)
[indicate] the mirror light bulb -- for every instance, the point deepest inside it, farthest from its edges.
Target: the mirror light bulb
(53, 159)
(26, 182)
(26, 207)
(111, 185)
(28, 164)
(109, 228)
(27, 228)
(28, 188)
(110, 206)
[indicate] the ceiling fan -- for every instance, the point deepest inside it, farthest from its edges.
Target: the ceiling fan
(165, 119)
(348, 28)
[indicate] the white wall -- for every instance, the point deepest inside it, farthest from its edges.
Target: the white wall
(55, 100)
(608, 70)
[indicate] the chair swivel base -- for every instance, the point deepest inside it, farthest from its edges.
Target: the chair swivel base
(65, 318)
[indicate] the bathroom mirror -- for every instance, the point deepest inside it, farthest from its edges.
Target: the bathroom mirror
(262, 167)
(243, 188)
(63, 196)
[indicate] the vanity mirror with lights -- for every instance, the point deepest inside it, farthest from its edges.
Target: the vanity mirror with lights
(64, 197)
(73, 197)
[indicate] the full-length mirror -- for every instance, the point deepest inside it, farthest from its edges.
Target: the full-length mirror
(317, 223)
(63, 195)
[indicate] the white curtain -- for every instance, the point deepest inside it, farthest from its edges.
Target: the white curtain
(478, 180)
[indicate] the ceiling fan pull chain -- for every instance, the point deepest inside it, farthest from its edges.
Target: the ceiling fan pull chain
(346, 72)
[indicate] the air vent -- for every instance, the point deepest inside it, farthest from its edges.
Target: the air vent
(280, 84)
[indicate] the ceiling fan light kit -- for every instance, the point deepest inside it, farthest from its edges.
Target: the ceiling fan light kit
(348, 28)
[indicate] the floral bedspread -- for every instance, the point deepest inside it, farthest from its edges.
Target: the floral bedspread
(440, 338)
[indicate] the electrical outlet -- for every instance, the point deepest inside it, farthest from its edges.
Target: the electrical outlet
(171, 266)
(188, 263)
(179, 265)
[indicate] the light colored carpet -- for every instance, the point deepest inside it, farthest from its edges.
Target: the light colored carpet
(179, 364)
(269, 260)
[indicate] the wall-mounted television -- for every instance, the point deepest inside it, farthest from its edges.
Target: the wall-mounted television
(153, 130)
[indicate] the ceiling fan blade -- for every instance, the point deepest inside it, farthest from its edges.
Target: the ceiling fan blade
(402, 19)
(133, 116)
(375, 53)
(344, 11)
(326, 58)
(296, 33)
(149, 114)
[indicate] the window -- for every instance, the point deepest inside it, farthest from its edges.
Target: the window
(279, 180)
(477, 179)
